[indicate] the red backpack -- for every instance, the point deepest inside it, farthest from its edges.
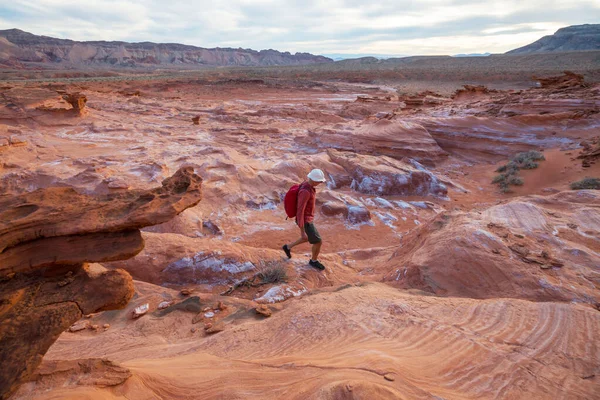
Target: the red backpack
(290, 201)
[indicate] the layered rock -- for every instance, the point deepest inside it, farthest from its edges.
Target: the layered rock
(76, 100)
(491, 139)
(36, 309)
(387, 176)
(535, 248)
(567, 80)
(46, 239)
(395, 139)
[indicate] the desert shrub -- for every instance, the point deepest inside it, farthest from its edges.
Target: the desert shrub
(499, 178)
(510, 171)
(586, 183)
(515, 180)
(511, 167)
(528, 158)
(272, 272)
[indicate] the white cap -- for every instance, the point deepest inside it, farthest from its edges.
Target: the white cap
(316, 175)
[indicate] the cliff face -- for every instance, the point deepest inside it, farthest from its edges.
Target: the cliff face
(571, 38)
(20, 46)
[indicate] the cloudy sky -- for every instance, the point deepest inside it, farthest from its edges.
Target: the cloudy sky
(386, 27)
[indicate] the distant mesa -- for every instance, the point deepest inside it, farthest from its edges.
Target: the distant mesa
(17, 46)
(571, 38)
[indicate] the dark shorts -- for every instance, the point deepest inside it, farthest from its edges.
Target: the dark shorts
(312, 233)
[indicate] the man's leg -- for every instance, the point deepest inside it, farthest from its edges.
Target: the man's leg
(296, 243)
(316, 248)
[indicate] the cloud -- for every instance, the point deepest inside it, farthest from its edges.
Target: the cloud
(333, 26)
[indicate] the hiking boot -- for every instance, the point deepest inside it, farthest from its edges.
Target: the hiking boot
(288, 253)
(317, 265)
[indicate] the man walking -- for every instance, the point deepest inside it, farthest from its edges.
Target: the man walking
(305, 215)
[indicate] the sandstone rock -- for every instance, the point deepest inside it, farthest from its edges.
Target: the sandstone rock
(76, 100)
(263, 310)
(185, 292)
(46, 236)
(140, 310)
(387, 176)
(471, 90)
(41, 311)
(358, 214)
(215, 327)
(4, 143)
(115, 183)
(567, 80)
(18, 141)
(395, 139)
(106, 326)
(211, 227)
(389, 377)
(48, 213)
(450, 255)
(196, 120)
(220, 306)
(163, 304)
(86, 372)
(79, 326)
(95, 327)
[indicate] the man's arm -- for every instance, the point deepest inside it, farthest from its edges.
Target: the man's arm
(303, 197)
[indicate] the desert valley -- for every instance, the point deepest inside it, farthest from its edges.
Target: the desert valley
(142, 224)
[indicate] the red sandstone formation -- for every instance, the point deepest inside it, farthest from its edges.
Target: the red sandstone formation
(469, 91)
(568, 80)
(535, 248)
(387, 176)
(395, 139)
(76, 100)
(46, 239)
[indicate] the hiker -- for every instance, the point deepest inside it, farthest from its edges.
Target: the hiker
(305, 214)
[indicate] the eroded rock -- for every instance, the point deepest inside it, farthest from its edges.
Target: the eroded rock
(40, 310)
(46, 238)
(76, 100)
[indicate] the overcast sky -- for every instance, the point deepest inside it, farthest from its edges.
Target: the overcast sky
(390, 27)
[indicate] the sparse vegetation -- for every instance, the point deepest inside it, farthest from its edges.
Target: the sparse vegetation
(586, 183)
(268, 272)
(272, 272)
(510, 171)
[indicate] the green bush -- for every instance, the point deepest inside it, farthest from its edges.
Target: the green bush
(516, 181)
(528, 157)
(586, 183)
(510, 171)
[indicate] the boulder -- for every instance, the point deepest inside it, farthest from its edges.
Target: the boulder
(76, 100)
(36, 310)
(46, 239)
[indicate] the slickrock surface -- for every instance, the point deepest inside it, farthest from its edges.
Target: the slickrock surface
(536, 248)
(342, 343)
(437, 284)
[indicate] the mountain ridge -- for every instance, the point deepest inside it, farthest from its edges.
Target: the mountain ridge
(20, 46)
(571, 38)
